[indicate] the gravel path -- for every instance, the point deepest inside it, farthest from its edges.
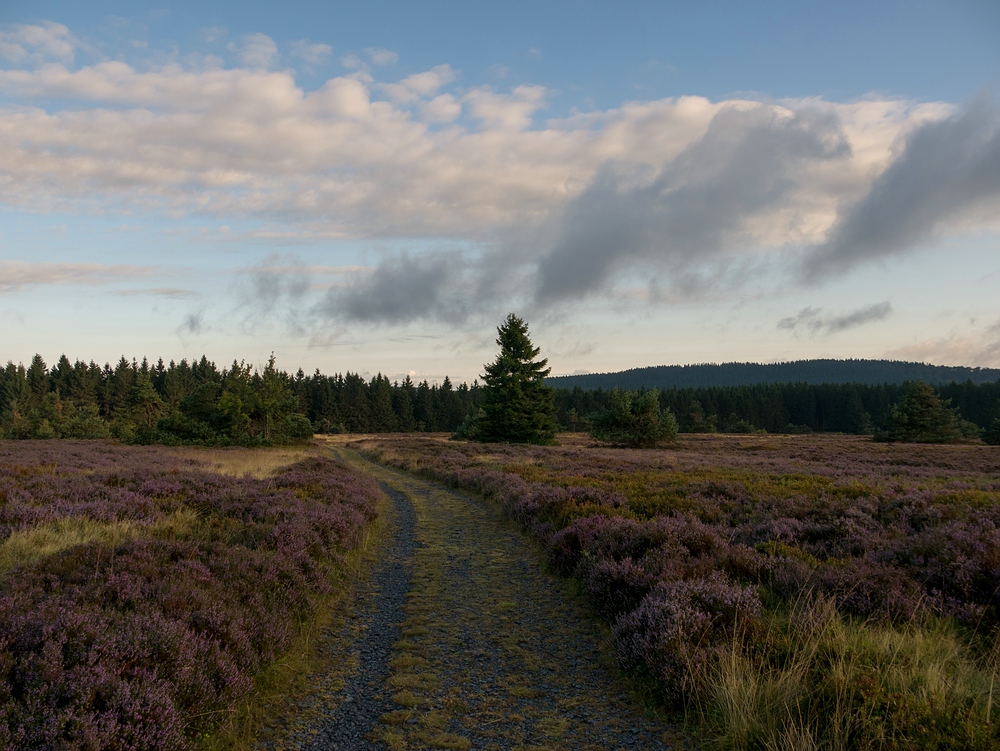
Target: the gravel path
(470, 646)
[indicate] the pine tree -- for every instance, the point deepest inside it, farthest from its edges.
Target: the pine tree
(517, 406)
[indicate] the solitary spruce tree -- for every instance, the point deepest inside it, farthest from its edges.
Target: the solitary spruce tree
(517, 406)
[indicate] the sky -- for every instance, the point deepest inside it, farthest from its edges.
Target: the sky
(373, 186)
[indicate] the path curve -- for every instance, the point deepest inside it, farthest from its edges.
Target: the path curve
(484, 651)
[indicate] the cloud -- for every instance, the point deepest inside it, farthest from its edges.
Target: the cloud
(976, 349)
(677, 196)
(353, 62)
(18, 275)
(813, 320)
(37, 44)
(213, 33)
(513, 111)
(193, 324)
(379, 56)
(948, 171)
(419, 85)
(171, 293)
(311, 54)
(698, 205)
(442, 109)
(258, 51)
(331, 162)
(403, 289)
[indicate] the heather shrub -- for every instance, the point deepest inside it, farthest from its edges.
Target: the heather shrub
(682, 628)
(143, 595)
(789, 591)
(615, 588)
(874, 589)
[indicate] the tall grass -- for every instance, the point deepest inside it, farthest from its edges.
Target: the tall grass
(818, 680)
(240, 462)
(49, 538)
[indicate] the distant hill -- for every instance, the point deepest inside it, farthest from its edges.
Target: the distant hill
(800, 371)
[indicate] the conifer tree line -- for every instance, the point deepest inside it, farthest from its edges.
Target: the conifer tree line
(791, 407)
(197, 402)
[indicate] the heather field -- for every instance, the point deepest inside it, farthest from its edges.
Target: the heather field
(792, 592)
(142, 590)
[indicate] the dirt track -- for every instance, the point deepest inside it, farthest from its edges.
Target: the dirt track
(490, 652)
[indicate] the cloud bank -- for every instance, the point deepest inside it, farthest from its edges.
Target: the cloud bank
(947, 174)
(545, 212)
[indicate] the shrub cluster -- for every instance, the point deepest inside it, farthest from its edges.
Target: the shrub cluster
(149, 643)
(679, 550)
(634, 418)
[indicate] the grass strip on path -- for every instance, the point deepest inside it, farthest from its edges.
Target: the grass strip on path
(495, 653)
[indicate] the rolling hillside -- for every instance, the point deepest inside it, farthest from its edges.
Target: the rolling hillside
(801, 371)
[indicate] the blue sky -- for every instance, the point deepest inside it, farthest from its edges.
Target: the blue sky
(372, 187)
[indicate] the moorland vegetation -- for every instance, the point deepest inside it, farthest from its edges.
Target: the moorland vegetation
(141, 594)
(798, 592)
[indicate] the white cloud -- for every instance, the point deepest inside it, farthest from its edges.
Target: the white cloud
(241, 142)
(214, 33)
(311, 54)
(250, 144)
(259, 51)
(35, 44)
(419, 85)
(379, 56)
(513, 111)
(353, 62)
(444, 108)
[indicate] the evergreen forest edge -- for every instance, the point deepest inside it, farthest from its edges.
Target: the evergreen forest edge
(199, 403)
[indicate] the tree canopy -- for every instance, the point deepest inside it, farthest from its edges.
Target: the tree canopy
(517, 406)
(922, 417)
(634, 418)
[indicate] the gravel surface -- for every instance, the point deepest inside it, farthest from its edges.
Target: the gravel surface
(463, 641)
(343, 708)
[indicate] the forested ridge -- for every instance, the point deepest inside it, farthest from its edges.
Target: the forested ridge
(870, 372)
(198, 402)
(788, 407)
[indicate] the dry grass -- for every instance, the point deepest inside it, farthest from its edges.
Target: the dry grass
(26, 545)
(847, 684)
(239, 462)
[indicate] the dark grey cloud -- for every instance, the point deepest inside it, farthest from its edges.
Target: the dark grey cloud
(272, 282)
(748, 161)
(815, 322)
(405, 288)
(947, 169)
(193, 324)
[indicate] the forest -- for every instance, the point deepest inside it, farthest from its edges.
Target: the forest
(816, 372)
(199, 403)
